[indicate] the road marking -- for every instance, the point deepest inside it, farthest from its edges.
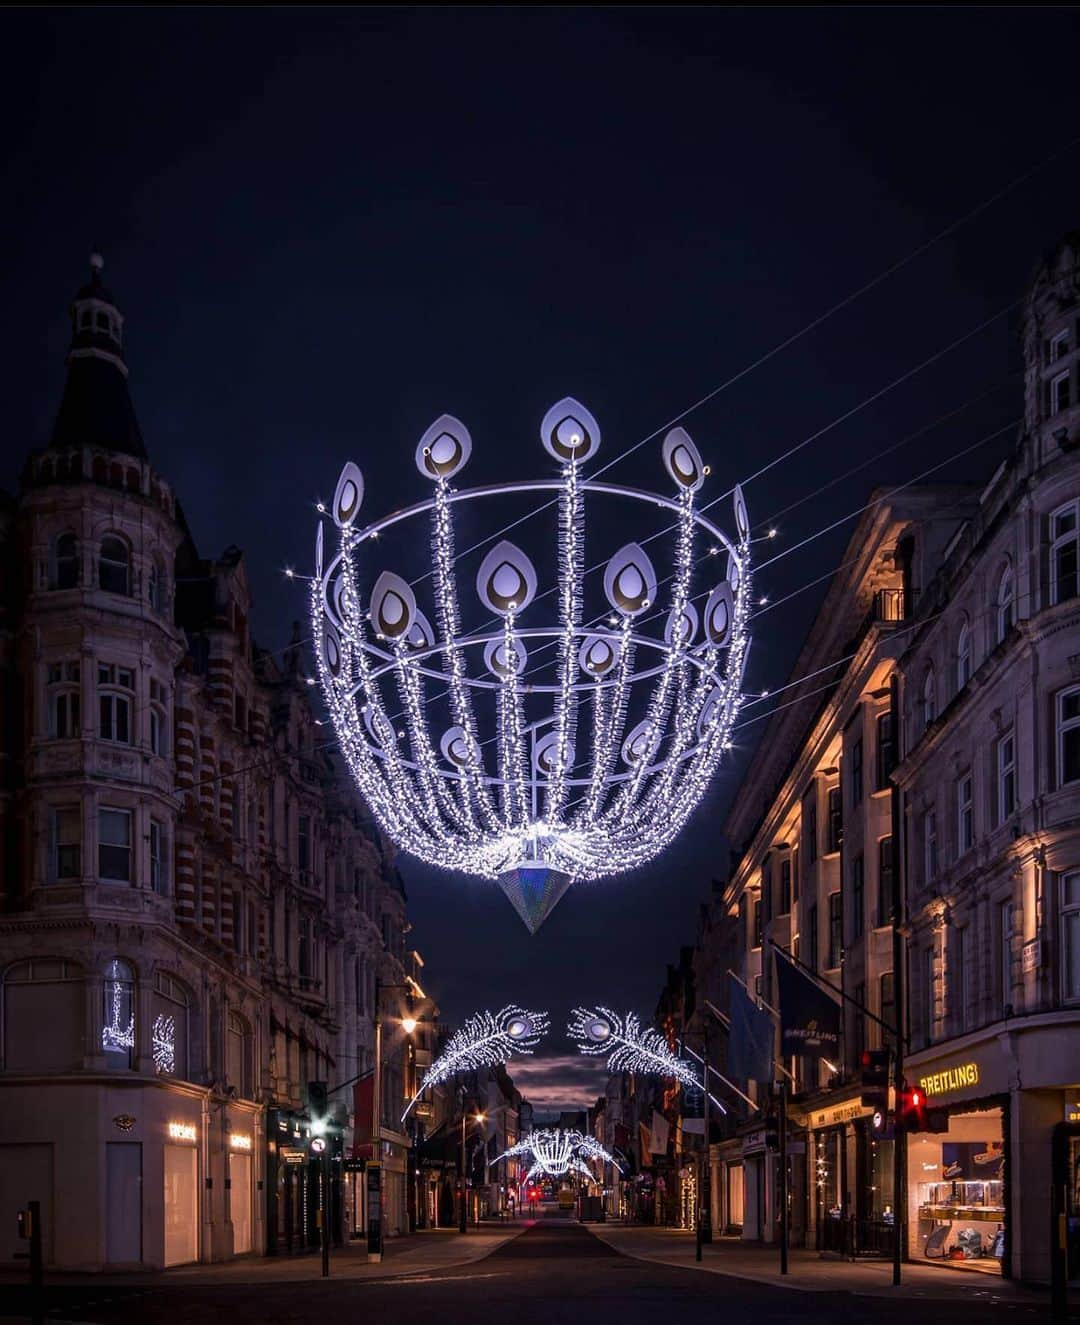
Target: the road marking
(438, 1279)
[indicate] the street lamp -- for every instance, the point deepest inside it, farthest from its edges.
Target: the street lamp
(477, 1118)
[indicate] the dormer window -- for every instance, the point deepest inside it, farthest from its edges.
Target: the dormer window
(85, 319)
(102, 321)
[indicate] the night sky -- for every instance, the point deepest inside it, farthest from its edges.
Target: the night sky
(326, 228)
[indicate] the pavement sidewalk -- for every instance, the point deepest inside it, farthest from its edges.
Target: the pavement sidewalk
(426, 1251)
(809, 1272)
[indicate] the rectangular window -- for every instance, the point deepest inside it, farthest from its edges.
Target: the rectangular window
(1070, 937)
(1064, 547)
(796, 875)
(886, 898)
(64, 714)
(965, 818)
(812, 929)
(304, 963)
(886, 751)
(930, 852)
(1057, 347)
(1005, 933)
(303, 843)
(66, 832)
(858, 897)
(855, 772)
(962, 980)
(785, 886)
(928, 994)
(157, 730)
(114, 845)
(1059, 393)
(860, 1019)
(158, 862)
(887, 996)
(836, 821)
(744, 920)
(1068, 737)
(836, 931)
(811, 830)
(766, 891)
(757, 923)
(115, 718)
(1005, 758)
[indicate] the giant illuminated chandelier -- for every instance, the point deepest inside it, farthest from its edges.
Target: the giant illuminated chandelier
(556, 1151)
(590, 768)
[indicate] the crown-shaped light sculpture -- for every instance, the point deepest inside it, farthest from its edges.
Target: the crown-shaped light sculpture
(588, 770)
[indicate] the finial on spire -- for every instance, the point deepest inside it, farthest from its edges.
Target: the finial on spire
(97, 262)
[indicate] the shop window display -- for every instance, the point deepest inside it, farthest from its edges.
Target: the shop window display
(956, 1193)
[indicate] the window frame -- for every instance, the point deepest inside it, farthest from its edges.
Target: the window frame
(1005, 775)
(114, 564)
(1006, 925)
(55, 874)
(885, 749)
(127, 814)
(834, 828)
(1054, 352)
(1060, 392)
(856, 774)
(1006, 598)
(885, 881)
(931, 856)
(64, 689)
(1058, 542)
(858, 895)
(1070, 954)
(965, 813)
(963, 656)
(928, 698)
(56, 561)
(836, 931)
(1064, 728)
(159, 857)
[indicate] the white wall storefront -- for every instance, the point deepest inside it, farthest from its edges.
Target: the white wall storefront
(1018, 1077)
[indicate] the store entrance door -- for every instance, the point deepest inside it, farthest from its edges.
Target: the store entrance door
(240, 1201)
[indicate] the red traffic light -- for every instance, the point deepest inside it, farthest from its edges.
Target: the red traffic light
(916, 1099)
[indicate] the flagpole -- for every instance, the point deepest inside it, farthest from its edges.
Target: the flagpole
(720, 1076)
(834, 989)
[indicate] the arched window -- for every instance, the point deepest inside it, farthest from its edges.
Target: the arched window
(170, 1033)
(155, 585)
(114, 566)
(963, 656)
(44, 1017)
(118, 1014)
(1005, 597)
(929, 698)
(64, 562)
(238, 1056)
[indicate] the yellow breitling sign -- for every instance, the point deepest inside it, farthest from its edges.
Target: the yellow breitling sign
(960, 1077)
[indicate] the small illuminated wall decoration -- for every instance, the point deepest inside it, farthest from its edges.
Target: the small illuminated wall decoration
(182, 1131)
(544, 745)
(556, 1151)
(163, 1039)
(628, 1045)
(485, 1040)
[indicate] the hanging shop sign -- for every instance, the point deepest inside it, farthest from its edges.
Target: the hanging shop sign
(844, 1112)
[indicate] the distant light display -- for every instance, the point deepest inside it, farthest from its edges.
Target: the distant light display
(556, 1151)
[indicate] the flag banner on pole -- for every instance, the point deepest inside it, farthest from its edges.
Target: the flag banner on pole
(661, 1131)
(750, 1045)
(645, 1140)
(809, 1017)
(694, 1126)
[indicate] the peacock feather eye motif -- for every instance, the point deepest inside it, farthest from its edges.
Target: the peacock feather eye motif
(506, 580)
(630, 581)
(444, 449)
(546, 754)
(708, 711)
(719, 615)
(599, 654)
(497, 663)
(331, 648)
(420, 634)
(393, 606)
(457, 747)
(640, 745)
(379, 728)
(687, 626)
(734, 572)
(683, 460)
(318, 550)
(348, 495)
(569, 431)
(742, 515)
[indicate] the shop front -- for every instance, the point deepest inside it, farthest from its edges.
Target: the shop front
(849, 1172)
(958, 1211)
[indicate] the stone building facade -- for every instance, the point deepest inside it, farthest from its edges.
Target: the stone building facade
(195, 904)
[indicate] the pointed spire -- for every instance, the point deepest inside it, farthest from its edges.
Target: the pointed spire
(96, 408)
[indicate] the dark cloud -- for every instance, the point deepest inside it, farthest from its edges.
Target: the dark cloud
(559, 1081)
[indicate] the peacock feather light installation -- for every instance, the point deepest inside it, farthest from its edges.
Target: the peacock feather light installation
(468, 758)
(485, 1039)
(629, 1046)
(556, 1151)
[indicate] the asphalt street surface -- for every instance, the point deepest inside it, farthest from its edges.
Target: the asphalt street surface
(555, 1273)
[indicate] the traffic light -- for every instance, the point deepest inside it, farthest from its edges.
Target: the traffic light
(316, 1099)
(875, 1080)
(911, 1109)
